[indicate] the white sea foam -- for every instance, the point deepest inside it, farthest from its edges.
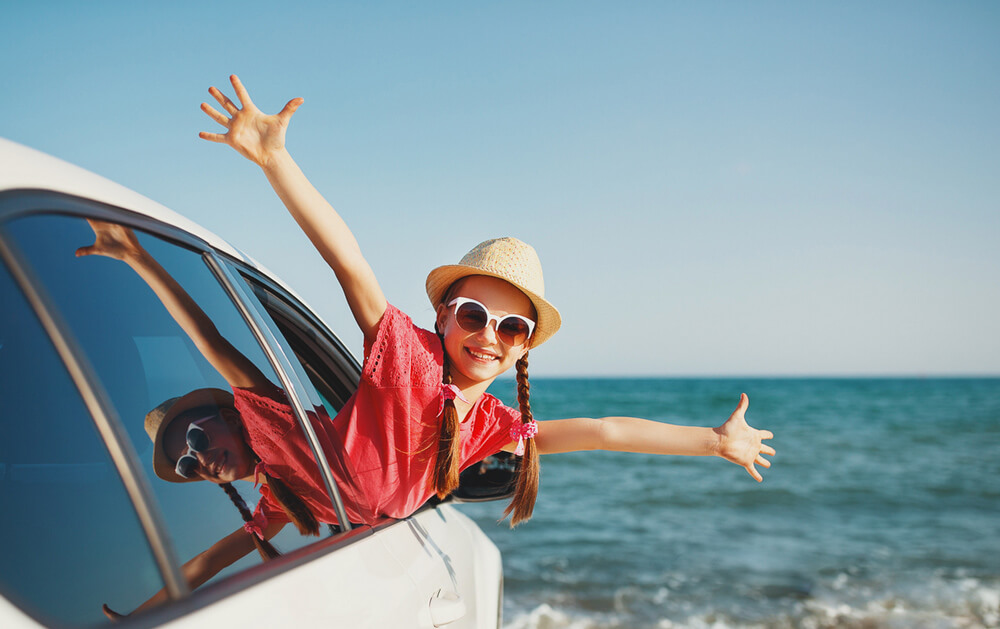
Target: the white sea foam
(546, 617)
(936, 604)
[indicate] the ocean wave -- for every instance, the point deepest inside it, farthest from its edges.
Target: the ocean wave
(965, 603)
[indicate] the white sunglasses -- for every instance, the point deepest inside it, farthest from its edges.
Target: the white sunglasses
(472, 316)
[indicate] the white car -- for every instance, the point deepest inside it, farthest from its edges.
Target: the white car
(87, 349)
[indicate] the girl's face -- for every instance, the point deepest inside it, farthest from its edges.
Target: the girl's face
(227, 458)
(481, 356)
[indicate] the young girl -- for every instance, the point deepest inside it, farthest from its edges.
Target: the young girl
(421, 413)
(491, 310)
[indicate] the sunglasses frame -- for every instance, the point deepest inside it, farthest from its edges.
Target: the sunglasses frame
(191, 451)
(458, 302)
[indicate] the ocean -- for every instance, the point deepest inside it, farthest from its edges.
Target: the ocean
(880, 510)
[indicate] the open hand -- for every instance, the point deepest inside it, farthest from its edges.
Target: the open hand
(254, 134)
(112, 241)
(742, 444)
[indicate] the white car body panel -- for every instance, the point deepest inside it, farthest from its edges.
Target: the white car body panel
(396, 558)
(312, 595)
(23, 167)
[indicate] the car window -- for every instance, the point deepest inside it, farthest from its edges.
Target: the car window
(135, 327)
(72, 540)
(327, 369)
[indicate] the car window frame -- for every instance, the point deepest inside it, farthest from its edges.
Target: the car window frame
(229, 272)
(111, 432)
(286, 374)
(288, 311)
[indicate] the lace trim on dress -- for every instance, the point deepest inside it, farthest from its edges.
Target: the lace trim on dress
(265, 402)
(403, 354)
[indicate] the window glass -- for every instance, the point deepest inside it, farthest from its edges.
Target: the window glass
(157, 326)
(71, 539)
(329, 375)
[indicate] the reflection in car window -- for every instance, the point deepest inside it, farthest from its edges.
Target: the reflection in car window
(71, 539)
(333, 375)
(156, 325)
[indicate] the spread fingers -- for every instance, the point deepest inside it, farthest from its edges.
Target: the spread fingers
(215, 115)
(227, 104)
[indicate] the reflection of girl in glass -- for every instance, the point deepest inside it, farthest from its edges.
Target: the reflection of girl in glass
(248, 434)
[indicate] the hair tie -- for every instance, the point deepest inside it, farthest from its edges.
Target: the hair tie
(256, 526)
(261, 469)
(520, 431)
(450, 392)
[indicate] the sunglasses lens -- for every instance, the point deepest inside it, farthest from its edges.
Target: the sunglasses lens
(513, 330)
(186, 465)
(197, 440)
(471, 317)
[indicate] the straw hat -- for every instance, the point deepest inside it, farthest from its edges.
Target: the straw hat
(507, 259)
(160, 418)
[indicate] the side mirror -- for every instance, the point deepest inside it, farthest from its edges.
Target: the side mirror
(493, 478)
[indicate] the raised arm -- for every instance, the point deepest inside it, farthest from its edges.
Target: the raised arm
(119, 243)
(734, 441)
(261, 139)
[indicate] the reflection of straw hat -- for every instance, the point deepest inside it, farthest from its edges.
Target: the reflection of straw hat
(507, 259)
(160, 418)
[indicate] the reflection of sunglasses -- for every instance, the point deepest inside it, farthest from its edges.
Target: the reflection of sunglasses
(197, 441)
(472, 316)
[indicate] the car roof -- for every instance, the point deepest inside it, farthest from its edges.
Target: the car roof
(24, 168)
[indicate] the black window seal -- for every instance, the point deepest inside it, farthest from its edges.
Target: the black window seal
(309, 335)
(286, 375)
(289, 305)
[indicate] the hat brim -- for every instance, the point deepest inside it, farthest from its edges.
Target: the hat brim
(163, 466)
(441, 278)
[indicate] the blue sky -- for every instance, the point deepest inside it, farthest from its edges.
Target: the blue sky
(714, 188)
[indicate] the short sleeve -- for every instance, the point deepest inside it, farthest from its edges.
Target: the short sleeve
(266, 413)
(490, 431)
(402, 354)
(506, 417)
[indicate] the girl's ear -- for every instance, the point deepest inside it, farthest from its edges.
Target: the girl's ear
(442, 316)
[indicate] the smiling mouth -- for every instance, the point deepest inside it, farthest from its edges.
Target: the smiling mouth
(481, 356)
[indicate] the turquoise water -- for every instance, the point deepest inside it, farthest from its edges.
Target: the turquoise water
(881, 510)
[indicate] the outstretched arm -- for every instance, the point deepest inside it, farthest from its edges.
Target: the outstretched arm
(119, 243)
(734, 441)
(261, 139)
(208, 563)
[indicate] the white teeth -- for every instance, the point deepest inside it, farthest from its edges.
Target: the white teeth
(482, 356)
